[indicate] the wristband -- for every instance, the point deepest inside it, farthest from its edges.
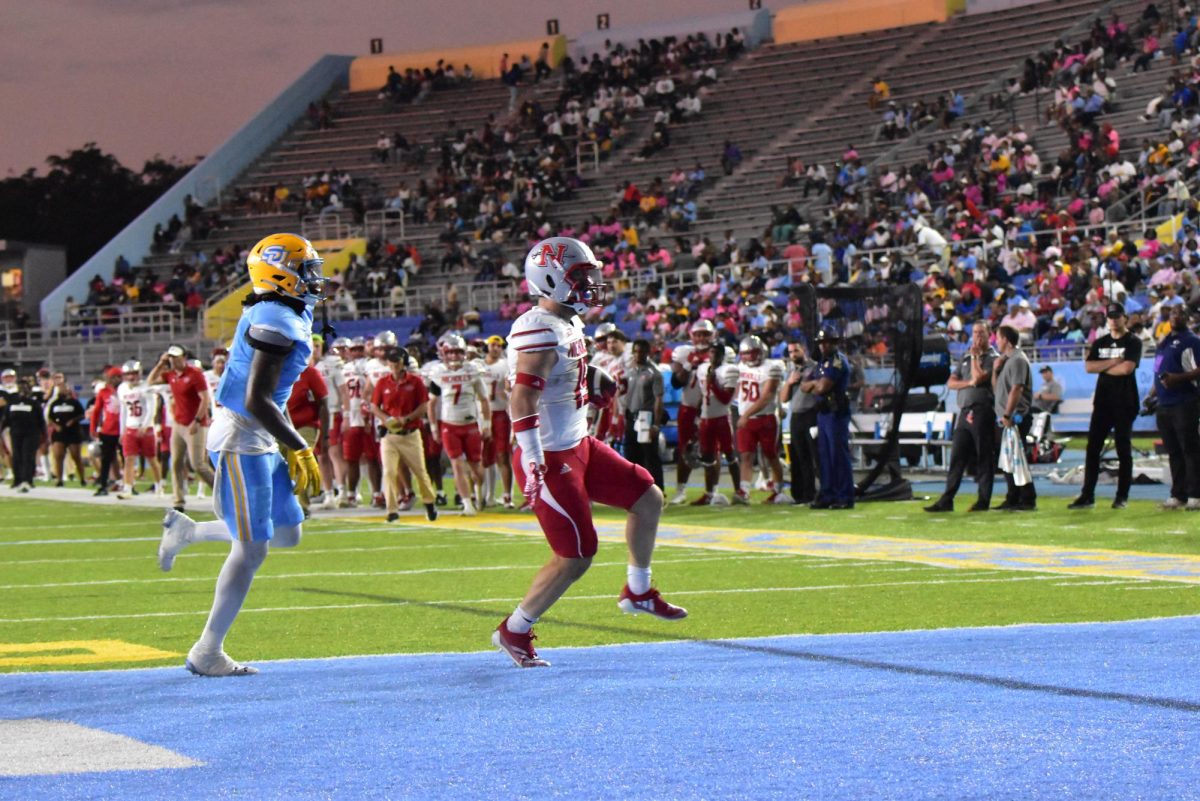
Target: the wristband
(528, 439)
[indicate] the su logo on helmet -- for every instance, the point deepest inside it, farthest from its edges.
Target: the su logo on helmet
(552, 252)
(275, 254)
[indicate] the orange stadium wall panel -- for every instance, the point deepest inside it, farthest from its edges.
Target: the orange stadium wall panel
(822, 20)
(370, 72)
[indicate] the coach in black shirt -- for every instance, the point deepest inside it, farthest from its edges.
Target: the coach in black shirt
(1115, 358)
(27, 427)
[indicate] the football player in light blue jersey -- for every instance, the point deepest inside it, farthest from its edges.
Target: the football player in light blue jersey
(256, 487)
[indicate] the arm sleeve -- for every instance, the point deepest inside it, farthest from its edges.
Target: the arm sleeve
(1134, 352)
(316, 381)
(268, 339)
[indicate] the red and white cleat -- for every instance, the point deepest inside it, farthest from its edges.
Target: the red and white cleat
(649, 603)
(519, 647)
(741, 498)
(703, 500)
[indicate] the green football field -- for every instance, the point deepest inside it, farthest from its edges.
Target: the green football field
(80, 587)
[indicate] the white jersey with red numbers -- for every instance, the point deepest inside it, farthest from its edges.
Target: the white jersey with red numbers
(562, 409)
(138, 407)
(726, 377)
(376, 369)
(460, 388)
(618, 368)
(354, 374)
(689, 358)
(752, 383)
(330, 368)
(495, 376)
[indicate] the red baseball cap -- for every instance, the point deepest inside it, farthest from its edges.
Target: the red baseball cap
(112, 371)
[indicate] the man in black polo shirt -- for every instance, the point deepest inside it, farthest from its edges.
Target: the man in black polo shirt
(975, 431)
(1114, 357)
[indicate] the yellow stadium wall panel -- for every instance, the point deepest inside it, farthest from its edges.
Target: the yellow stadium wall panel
(370, 72)
(822, 20)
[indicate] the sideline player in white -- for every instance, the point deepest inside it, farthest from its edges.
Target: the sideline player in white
(255, 491)
(459, 410)
(561, 468)
(333, 466)
(139, 410)
(718, 382)
(495, 366)
(759, 379)
(685, 359)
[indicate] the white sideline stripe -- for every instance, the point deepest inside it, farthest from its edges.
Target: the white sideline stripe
(837, 635)
(368, 528)
(275, 553)
(447, 601)
(37, 747)
(357, 574)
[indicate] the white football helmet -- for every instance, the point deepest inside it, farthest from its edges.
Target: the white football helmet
(603, 330)
(751, 350)
(702, 334)
(454, 351)
(565, 270)
(131, 366)
(385, 339)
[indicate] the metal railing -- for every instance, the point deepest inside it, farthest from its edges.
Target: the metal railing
(384, 223)
(329, 225)
(113, 324)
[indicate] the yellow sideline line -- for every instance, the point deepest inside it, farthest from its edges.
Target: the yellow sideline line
(1182, 568)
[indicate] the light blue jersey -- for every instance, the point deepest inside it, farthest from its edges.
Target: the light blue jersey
(271, 324)
(253, 491)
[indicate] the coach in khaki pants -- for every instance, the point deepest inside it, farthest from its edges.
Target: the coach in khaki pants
(399, 402)
(190, 403)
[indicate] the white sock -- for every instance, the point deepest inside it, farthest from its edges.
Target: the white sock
(638, 579)
(520, 621)
(233, 584)
(211, 531)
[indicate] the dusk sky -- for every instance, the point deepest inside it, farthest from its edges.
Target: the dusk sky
(177, 77)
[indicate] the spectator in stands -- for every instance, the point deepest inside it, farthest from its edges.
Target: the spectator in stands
(731, 157)
(880, 92)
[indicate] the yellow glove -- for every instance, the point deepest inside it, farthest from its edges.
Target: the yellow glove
(303, 468)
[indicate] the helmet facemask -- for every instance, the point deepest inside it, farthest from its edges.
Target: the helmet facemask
(586, 288)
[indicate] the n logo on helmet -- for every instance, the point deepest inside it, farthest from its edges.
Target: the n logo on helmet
(554, 252)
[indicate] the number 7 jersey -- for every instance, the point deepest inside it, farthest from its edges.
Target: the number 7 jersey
(563, 406)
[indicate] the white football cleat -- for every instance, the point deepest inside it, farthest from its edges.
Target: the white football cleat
(1172, 503)
(1193, 505)
(468, 508)
(215, 665)
(508, 503)
(177, 534)
(782, 499)
(200, 491)
(719, 500)
(680, 497)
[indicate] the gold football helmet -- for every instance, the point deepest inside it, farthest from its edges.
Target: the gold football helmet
(287, 264)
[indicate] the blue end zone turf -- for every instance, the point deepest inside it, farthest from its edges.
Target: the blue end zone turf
(1081, 711)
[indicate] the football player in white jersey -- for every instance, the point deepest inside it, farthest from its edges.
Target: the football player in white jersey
(333, 465)
(718, 380)
(138, 412)
(759, 379)
(220, 357)
(358, 440)
(684, 361)
(620, 358)
(560, 467)
(459, 410)
(496, 456)
(602, 360)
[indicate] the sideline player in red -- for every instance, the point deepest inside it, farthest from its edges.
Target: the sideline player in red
(561, 468)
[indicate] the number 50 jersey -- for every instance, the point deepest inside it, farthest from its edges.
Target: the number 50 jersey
(752, 383)
(563, 405)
